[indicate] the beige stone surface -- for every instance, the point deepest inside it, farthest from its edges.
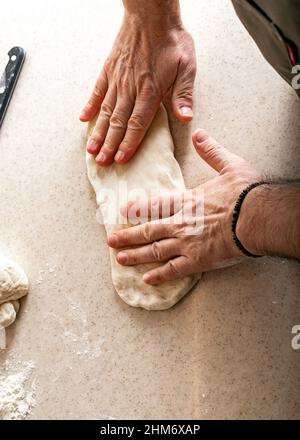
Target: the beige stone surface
(225, 350)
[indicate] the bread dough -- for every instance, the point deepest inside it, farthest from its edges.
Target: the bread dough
(153, 169)
(8, 313)
(13, 286)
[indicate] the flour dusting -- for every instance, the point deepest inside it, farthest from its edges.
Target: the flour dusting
(17, 392)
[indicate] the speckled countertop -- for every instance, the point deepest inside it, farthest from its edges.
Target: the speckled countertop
(225, 350)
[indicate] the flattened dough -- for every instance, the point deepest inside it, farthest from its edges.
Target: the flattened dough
(154, 168)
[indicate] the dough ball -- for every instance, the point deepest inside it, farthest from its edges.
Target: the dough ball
(14, 285)
(13, 281)
(8, 313)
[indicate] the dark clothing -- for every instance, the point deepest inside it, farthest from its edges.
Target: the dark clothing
(275, 27)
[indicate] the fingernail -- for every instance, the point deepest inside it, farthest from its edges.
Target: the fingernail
(92, 145)
(119, 156)
(83, 114)
(186, 111)
(122, 257)
(112, 240)
(201, 136)
(101, 157)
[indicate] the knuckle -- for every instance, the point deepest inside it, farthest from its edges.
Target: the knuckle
(177, 227)
(173, 268)
(117, 122)
(137, 123)
(107, 64)
(184, 94)
(97, 140)
(147, 86)
(212, 149)
(227, 167)
(96, 136)
(98, 92)
(146, 232)
(132, 257)
(106, 110)
(156, 251)
(150, 93)
(123, 237)
(108, 147)
(93, 100)
(124, 83)
(190, 67)
(128, 145)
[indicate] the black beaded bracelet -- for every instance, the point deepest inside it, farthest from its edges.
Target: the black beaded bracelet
(235, 217)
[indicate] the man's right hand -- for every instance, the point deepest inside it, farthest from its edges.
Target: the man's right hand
(153, 56)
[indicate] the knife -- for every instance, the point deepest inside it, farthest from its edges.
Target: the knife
(10, 77)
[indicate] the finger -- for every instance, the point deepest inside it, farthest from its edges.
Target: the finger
(102, 124)
(141, 234)
(138, 124)
(172, 270)
(140, 211)
(117, 128)
(161, 250)
(183, 90)
(214, 154)
(96, 99)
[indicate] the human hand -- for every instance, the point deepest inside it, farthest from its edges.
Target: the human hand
(166, 240)
(149, 61)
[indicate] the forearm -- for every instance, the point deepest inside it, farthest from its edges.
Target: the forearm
(161, 12)
(269, 220)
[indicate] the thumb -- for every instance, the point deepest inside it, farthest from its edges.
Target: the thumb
(183, 90)
(214, 154)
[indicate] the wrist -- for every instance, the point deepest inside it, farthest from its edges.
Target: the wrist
(249, 224)
(163, 14)
(268, 223)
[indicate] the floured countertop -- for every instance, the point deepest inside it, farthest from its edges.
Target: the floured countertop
(17, 390)
(78, 351)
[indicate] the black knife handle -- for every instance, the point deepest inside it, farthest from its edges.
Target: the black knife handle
(9, 78)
